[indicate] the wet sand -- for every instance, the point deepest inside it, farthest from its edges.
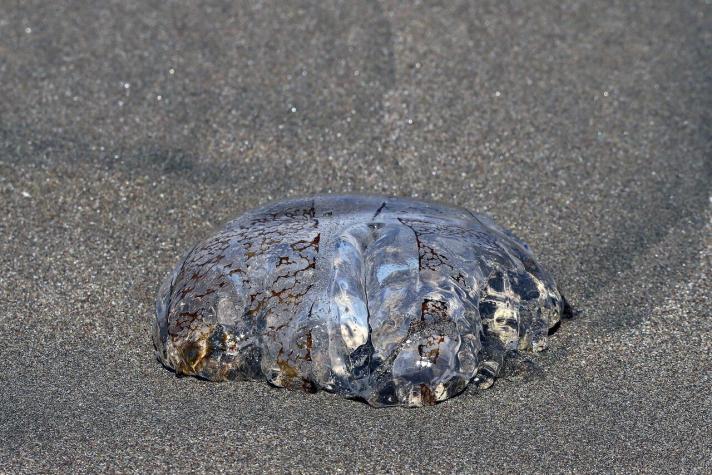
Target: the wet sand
(130, 131)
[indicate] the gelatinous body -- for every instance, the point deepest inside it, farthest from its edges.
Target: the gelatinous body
(389, 300)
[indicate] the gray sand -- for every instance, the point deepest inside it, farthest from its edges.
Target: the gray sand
(128, 132)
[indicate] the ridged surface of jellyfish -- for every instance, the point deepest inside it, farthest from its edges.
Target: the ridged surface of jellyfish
(388, 300)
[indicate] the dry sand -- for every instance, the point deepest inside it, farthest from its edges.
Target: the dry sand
(129, 131)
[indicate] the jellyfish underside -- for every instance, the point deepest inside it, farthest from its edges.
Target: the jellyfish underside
(386, 300)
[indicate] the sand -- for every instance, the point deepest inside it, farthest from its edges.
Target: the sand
(128, 131)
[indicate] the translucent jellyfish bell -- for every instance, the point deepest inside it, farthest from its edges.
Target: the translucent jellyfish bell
(388, 300)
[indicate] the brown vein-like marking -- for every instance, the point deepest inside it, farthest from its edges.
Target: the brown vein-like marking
(207, 292)
(433, 310)
(265, 232)
(309, 346)
(291, 298)
(433, 353)
(432, 259)
(290, 363)
(309, 343)
(428, 257)
(296, 259)
(427, 395)
(284, 260)
(304, 244)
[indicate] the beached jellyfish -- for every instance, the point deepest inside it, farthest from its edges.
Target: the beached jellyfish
(388, 300)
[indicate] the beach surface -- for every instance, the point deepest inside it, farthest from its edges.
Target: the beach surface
(130, 130)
